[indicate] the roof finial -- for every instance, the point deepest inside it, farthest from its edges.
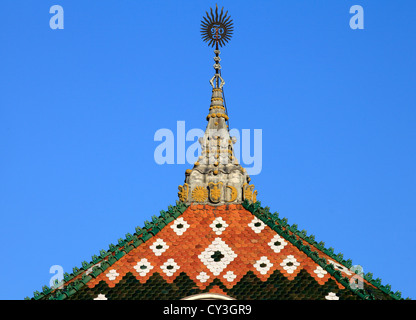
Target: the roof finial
(217, 178)
(217, 30)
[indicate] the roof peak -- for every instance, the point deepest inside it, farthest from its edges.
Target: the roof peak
(217, 178)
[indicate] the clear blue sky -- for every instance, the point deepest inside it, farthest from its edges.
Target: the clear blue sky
(79, 108)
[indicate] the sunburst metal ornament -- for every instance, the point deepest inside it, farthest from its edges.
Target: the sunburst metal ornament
(217, 29)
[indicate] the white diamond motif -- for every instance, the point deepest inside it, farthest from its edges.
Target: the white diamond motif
(290, 264)
(218, 225)
(203, 277)
(230, 276)
(320, 272)
(143, 267)
(158, 247)
(112, 275)
(180, 226)
(217, 256)
(263, 265)
(170, 267)
(257, 225)
(277, 243)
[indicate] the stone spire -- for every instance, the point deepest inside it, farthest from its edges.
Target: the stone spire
(217, 178)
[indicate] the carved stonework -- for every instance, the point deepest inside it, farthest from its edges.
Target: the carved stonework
(217, 178)
(248, 192)
(215, 191)
(183, 192)
(199, 194)
(233, 193)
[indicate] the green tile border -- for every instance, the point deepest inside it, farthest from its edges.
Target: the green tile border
(293, 235)
(131, 241)
(109, 257)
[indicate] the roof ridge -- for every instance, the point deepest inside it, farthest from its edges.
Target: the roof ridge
(281, 227)
(78, 278)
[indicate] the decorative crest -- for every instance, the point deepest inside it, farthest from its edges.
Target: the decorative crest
(216, 29)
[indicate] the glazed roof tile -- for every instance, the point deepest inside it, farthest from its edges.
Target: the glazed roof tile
(219, 250)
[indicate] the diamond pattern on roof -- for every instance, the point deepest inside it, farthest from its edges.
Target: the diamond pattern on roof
(220, 243)
(246, 254)
(217, 256)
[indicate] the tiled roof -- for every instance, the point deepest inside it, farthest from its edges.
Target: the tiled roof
(242, 251)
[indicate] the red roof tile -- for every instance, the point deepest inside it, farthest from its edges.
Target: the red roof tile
(203, 234)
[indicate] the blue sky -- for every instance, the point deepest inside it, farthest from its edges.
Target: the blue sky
(79, 108)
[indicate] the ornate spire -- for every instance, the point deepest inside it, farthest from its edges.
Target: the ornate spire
(217, 178)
